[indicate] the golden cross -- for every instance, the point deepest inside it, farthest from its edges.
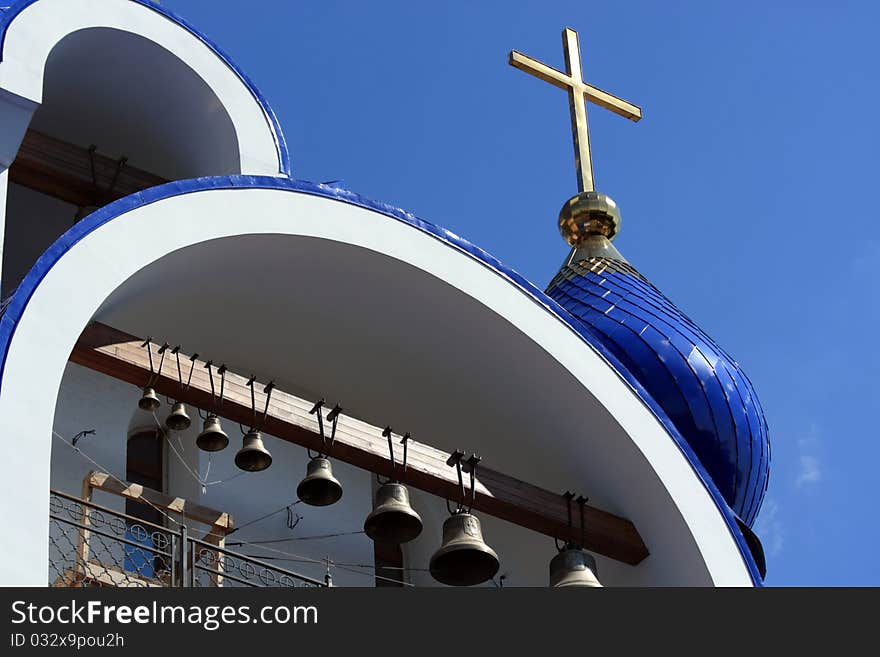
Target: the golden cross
(579, 91)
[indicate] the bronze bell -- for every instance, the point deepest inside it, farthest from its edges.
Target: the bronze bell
(253, 456)
(392, 520)
(464, 559)
(212, 438)
(319, 487)
(177, 419)
(573, 566)
(149, 401)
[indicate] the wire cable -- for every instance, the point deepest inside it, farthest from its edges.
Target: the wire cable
(297, 538)
(110, 474)
(268, 515)
(164, 434)
(202, 481)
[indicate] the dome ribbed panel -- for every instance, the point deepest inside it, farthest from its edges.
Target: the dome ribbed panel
(701, 388)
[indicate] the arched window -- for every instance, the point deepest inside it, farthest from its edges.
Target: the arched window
(143, 465)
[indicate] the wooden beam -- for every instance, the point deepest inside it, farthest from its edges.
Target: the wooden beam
(94, 573)
(119, 355)
(218, 520)
(56, 168)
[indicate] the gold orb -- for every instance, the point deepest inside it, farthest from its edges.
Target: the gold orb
(588, 213)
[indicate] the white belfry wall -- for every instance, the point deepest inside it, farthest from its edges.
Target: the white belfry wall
(608, 444)
(89, 401)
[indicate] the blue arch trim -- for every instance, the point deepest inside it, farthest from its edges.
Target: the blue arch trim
(9, 14)
(92, 222)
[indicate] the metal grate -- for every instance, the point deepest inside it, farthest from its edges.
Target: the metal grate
(93, 546)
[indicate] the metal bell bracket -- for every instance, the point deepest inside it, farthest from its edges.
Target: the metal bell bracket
(176, 352)
(268, 392)
(163, 350)
(120, 164)
(472, 461)
(404, 441)
(192, 365)
(154, 375)
(581, 501)
(215, 402)
(333, 419)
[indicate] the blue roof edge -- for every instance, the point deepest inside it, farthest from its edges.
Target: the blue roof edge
(10, 13)
(19, 301)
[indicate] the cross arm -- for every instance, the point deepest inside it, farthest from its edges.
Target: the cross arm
(612, 102)
(539, 70)
(567, 83)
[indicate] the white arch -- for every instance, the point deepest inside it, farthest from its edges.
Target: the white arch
(79, 283)
(38, 27)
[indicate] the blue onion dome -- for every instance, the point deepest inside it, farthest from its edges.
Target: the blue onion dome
(700, 387)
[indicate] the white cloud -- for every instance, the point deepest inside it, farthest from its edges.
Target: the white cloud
(809, 466)
(809, 472)
(769, 528)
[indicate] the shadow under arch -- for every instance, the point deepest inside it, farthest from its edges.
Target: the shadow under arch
(131, 97)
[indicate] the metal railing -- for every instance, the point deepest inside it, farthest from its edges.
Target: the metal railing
(92, 545)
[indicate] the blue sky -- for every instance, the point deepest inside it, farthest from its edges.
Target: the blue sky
(747, 191)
